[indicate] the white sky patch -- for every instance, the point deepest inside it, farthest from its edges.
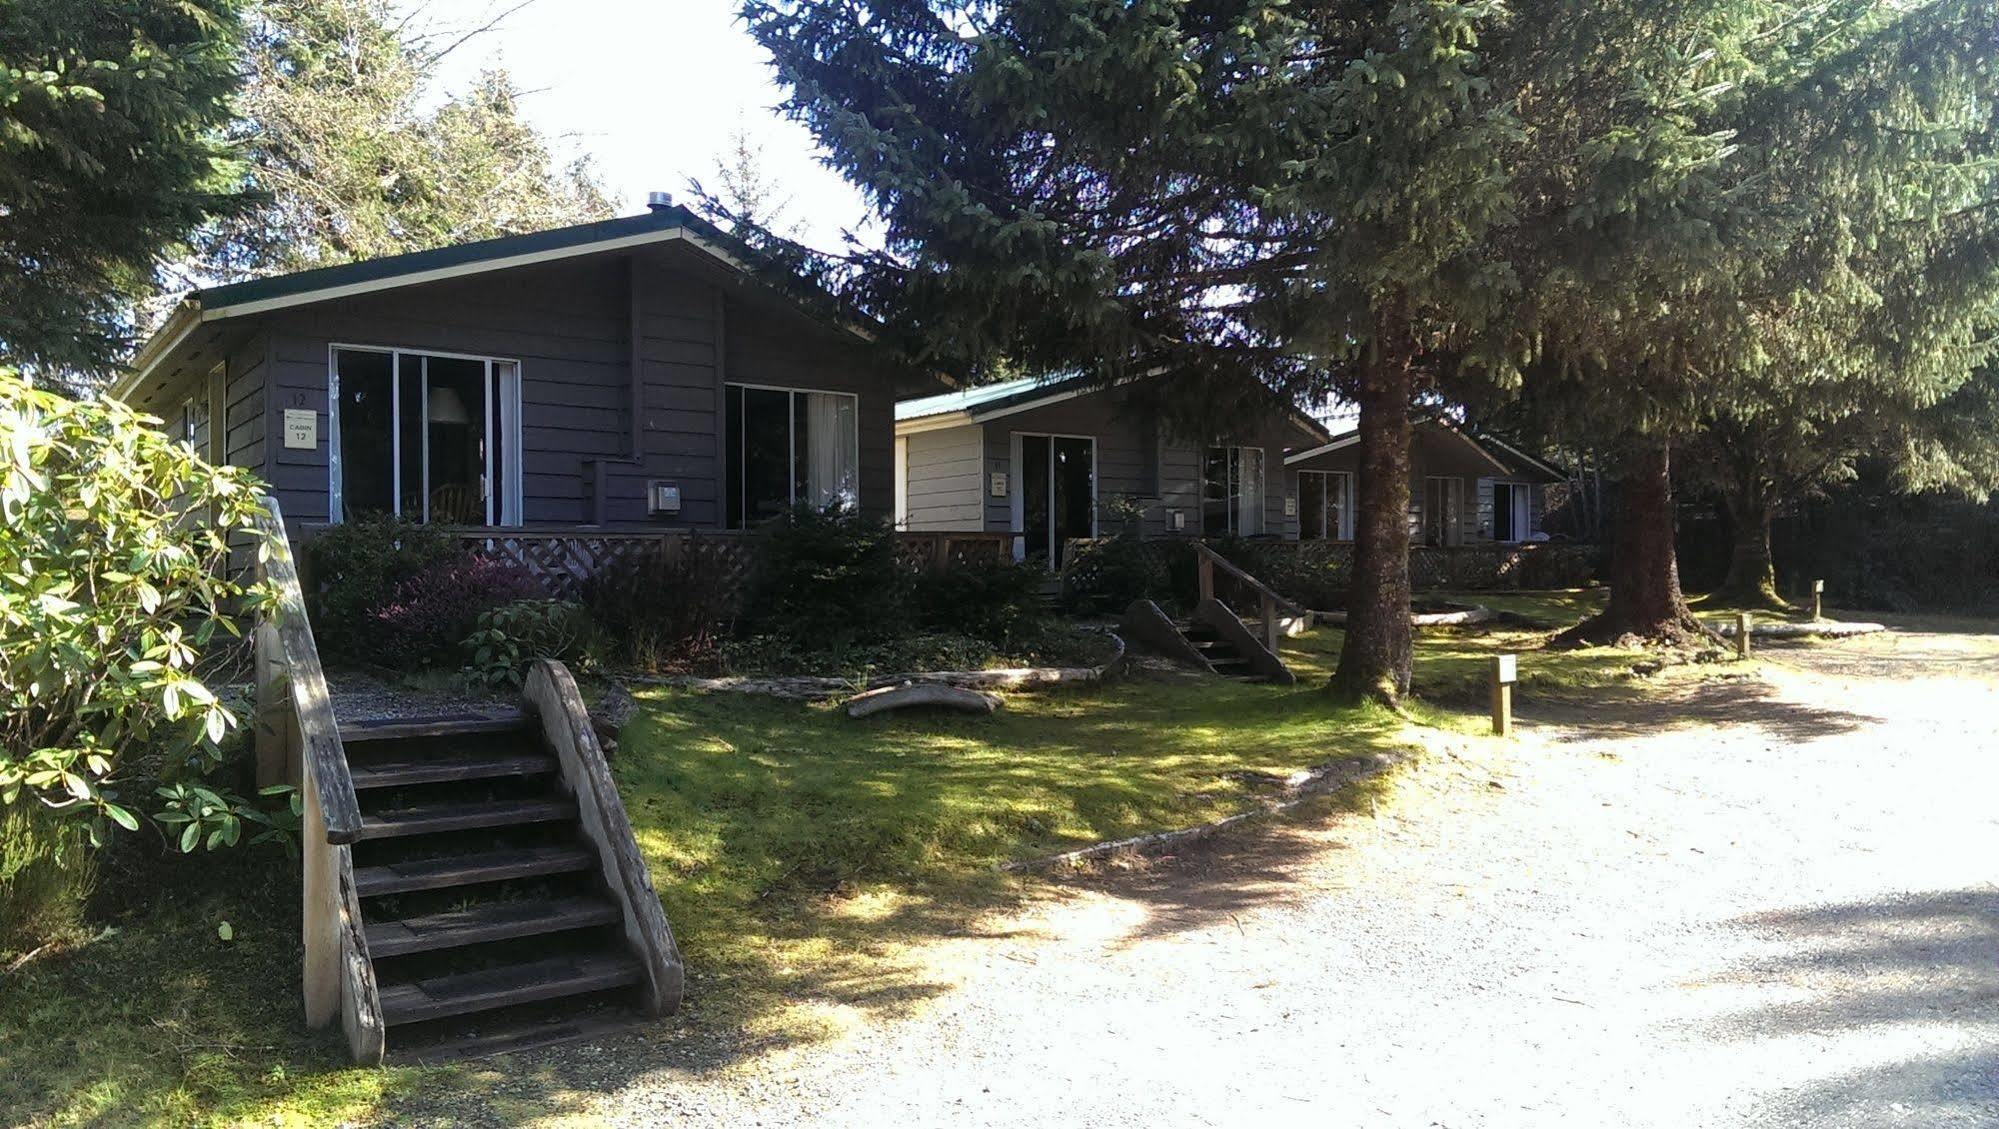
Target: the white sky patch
(651, 92)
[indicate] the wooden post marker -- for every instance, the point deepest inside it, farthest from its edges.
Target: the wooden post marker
(1741, 635)
(1504, 669)
(1818, 600)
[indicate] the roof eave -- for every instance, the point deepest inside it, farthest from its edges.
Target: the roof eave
(187, 316)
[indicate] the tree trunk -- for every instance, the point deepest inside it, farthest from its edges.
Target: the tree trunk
(1374, 659)
(1752, 571)
(1646, 605)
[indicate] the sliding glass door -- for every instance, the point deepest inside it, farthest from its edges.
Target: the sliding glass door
(1057, 478)
(1324, 511)
(1232, 492)
(431, 437)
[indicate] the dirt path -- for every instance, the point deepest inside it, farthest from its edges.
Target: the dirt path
(1788, 918)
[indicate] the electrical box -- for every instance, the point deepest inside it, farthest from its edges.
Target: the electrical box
(999, 484)
(662, 497)
(1290, 506)
(1179, 520)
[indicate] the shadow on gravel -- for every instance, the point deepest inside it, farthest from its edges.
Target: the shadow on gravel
(1733, 702)
(1883, 966)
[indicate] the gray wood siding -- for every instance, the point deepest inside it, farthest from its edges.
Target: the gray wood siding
(243, 409)
(946, 480)
(1124, 465)
(570, 325)
(782, 349)
(564, 322)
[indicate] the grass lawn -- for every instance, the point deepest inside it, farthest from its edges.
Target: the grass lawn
(802, 856)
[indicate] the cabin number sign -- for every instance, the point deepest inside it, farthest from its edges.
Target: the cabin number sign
(301, 429)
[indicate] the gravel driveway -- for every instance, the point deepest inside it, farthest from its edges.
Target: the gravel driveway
(1786, 917)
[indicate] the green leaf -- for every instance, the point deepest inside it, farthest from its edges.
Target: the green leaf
(225, 931)
(122, 817)
(190, 836)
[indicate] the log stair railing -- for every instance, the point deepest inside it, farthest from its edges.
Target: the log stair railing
(1219, 634)
(471, 882)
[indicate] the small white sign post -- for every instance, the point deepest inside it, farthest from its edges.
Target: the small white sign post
(1505, 669)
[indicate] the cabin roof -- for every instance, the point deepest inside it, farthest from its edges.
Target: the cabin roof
(662, 224)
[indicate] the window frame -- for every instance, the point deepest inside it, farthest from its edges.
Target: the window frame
(1519, 510)
(1016, 488)
(1233, 490)
(504, 492)
(1341, 530)
(1454, 530)
(791, 445)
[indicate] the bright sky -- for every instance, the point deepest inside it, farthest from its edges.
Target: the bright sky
(652, 90)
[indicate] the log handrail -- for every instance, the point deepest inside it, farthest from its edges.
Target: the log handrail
(298, 739)
(551, 697)
(1268, 599)
(287, 655)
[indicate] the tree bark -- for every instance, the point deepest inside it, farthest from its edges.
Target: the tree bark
(1752, 570)
(1374, 659)
(1646, 605)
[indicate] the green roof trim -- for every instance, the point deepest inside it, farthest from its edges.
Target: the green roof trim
(989, 397)
(458, 255)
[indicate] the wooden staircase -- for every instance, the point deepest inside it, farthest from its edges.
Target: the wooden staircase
(471, 882)
(1222, 656)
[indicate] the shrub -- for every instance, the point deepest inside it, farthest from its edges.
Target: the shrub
(664, 608)
(997, 600)
(115, 590)
(357, 567)
(828, 579)
(509, 638)
(427, 617)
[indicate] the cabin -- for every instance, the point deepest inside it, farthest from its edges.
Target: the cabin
(626, 374)
(1052, 461)
(1462, 490)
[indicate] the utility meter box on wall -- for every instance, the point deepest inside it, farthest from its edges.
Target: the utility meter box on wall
(662, 497)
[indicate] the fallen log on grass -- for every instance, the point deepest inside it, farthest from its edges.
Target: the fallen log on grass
(911, 694)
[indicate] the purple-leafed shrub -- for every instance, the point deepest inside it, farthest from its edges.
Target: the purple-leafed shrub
(426, 619)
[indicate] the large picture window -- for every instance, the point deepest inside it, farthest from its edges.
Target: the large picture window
(430, 436)
(1325, 505)
(1232, 492)
(786, 446)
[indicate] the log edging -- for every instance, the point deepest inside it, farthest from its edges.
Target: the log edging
(1300, 788)
(1827, 629)
(1477, 613)
(810, 688)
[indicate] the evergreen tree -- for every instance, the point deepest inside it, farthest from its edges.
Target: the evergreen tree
(1807, 219)
(1431, 199)
(1221, 196)
(109, 157)
(351, 156)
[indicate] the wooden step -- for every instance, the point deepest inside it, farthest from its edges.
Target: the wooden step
(533, 982)
(403, 771)
(501, 1038)
(442, 725)
(490, 921)
(469, 870)
(430, 819)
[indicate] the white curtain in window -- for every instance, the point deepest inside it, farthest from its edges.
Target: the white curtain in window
(1249, 492)
(832, 449)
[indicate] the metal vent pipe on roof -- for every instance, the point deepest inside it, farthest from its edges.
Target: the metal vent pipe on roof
(659, 201)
